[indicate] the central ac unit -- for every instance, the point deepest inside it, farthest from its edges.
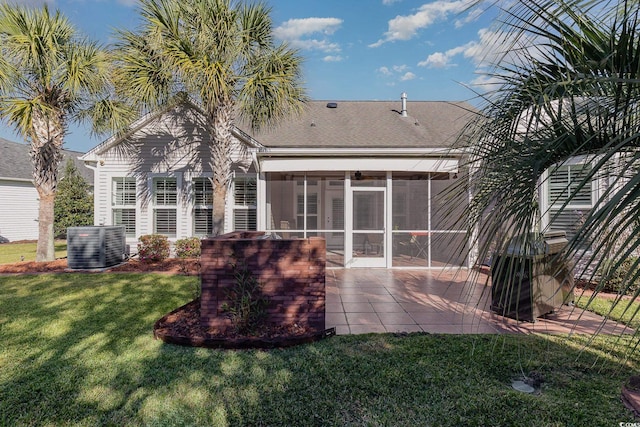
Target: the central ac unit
(95, 246)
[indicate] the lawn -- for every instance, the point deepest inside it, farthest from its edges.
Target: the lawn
(16, 252)
(625, 311)
(77, 349)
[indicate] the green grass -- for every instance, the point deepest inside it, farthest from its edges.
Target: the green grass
(13, 252)
(77, 349)
(624, 311)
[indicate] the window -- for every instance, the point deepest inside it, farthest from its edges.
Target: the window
(124, 192)
(123, 202)
(566, 187)
(203, 207)
(165, 191)
(565, 181)
(165, 198)
(244, 203)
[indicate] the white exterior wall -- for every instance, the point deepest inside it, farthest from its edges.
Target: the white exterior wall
(173, 145)
(18, 211)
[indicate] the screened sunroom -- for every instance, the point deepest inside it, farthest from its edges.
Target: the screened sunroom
(368, 218)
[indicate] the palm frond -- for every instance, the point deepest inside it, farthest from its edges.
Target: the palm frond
(573, 90)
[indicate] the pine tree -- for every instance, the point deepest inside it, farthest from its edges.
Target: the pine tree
(74, 202)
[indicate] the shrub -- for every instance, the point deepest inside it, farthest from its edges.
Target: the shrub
(188, 248)
(616, 277)
(74, 202)
(247, 306)
(153, 248)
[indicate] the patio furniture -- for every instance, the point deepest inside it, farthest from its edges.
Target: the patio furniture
(373, 243)
(418, 244)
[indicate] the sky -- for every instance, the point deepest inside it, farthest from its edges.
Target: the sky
(352, 49)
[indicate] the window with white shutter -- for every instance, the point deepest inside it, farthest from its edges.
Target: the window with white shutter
(123, 202)
(165, 198)
(569, 192)
(203, 207)
(244, 203)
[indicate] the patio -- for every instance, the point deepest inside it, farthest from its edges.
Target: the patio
(384, 300)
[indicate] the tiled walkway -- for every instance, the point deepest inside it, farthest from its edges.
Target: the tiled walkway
(379, 300)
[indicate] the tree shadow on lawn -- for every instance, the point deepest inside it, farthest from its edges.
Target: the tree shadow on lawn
(79, 349)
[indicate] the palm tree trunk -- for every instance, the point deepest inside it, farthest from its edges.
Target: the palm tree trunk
(222, 123)
(46, 154)
(45, 250)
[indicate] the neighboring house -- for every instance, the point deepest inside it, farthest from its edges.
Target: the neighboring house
(18, 196)
(363, 174)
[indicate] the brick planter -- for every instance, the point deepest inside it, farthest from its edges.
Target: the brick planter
(291, 272)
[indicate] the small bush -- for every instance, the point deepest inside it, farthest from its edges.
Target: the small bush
(247, 306)
(153, 248)
(616, 277)
(188, 248)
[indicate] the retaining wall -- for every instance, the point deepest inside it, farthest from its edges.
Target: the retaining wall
(291, 272)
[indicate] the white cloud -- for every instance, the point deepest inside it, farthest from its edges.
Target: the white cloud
(313, 44)
(487, 49)
(407, 76)
(485, 84)
(298, 31)
(297, 28)
(407, 27)
(444, 59)
(388, 2)
(472, 16)
(332, 58)
(397, 73)
(436, 60)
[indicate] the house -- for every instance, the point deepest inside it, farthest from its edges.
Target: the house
(18, 196)
(363, 174)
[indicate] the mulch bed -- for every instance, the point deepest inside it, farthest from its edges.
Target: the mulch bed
(189, 267)
(182, 326)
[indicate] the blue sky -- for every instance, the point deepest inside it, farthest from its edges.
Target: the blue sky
(353, 49)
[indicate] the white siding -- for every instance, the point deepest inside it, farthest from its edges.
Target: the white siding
(175, 144)
(18, 211)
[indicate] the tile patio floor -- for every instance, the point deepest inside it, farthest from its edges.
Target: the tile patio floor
(380, 300)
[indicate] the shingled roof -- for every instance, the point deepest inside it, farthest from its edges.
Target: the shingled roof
(374, 124)
(15, 162)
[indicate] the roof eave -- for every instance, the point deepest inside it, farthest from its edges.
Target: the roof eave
(359, 152)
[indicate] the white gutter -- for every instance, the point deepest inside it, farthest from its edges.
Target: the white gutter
(362, 152)
(3, 178)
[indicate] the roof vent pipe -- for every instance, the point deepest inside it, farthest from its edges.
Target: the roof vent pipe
(403, 97)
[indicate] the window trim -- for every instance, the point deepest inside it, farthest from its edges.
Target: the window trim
(201, 207)
(549, 207)
(236, 207)
(114, 207)
(155, 207)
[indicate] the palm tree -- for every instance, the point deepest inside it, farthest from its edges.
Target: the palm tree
(569, 85)
(223, 56)
(47, 78)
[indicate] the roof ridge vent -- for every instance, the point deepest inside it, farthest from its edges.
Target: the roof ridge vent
(332, 105)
